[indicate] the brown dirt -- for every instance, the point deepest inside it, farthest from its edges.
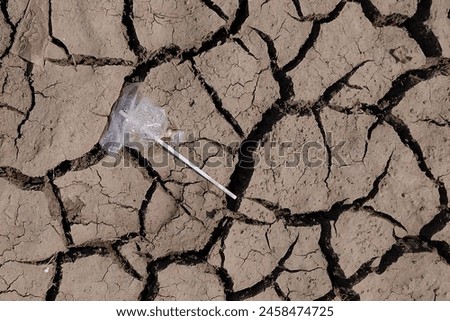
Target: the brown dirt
(366, 78)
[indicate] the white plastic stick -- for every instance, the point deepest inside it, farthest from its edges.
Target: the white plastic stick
(186, 161)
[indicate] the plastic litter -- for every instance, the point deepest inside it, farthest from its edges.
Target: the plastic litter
(137, 115)
(152, 120)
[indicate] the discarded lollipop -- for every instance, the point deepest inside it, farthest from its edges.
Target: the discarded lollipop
(135, 114)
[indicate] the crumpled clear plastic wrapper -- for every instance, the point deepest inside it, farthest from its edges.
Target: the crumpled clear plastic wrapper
(151, 120)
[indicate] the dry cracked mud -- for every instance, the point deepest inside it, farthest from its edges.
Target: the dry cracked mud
(350, 98)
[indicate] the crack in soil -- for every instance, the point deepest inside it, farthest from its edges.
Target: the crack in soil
(408, 244)
(192, 257)
(12, 34)
(91, 158)
(21, 180)
(214, 7)
(342, 286)
(217, 101)
(377, 19)
(266, 282)
(415, 25)
(58, 42)
(313, 35)
(84, 60)
(143, 209)
(66, 225)
(130, 31)
(28, 75)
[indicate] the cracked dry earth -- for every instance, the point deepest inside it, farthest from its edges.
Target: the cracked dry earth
(373, 73)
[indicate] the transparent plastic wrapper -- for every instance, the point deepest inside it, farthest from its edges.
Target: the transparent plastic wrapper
(136, 115)
(152, 120)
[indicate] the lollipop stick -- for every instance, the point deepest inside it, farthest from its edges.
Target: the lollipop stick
(185, 160)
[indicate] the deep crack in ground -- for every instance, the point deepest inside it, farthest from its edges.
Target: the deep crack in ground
(143, 225)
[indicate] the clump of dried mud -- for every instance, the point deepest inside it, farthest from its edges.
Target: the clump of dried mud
(365, 81)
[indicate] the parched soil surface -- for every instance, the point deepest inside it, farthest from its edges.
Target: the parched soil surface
(358, 89)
